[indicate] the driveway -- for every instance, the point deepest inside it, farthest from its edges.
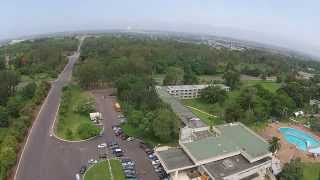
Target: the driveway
(47, 158)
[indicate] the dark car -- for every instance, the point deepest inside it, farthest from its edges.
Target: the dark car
(112, 143)
(128, 167)
(83, 169)
(130, 175)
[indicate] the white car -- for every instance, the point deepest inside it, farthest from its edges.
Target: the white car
(130, 138)
(92, 161)
(102, 145)
(156, 162)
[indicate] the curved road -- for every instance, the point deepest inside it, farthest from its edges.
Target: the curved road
(47, 158)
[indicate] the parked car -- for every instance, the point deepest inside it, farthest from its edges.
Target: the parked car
(112, 143)
(130, 163)
(83, 169)
(92, 161)
(127, 166)
(130, 138)
(155, 162)
(130, 171)
(102, 145)
(118, 152)
(152, 157)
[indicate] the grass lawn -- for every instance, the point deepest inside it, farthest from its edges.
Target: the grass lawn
(72, 120)
(269, 85)
(208, 108)
(151, 140)
(117, 170)
(101, 171)
(311, 171)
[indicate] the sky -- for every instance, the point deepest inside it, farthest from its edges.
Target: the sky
(289, 23)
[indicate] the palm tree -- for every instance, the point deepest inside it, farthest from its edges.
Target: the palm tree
(274, 144)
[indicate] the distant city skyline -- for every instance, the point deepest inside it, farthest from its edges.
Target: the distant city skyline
(287, 23)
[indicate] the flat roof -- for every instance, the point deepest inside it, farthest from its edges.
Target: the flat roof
(187, 87)
(174, 158)
(183, 112)
(232, 139)
(231, 165)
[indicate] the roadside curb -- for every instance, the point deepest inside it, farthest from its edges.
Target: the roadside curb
(69, 141)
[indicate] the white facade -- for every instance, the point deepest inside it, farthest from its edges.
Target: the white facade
(190, 91)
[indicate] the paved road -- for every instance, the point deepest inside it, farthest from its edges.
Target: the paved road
(47, 158)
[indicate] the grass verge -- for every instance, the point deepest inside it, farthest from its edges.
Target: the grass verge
(101, 171)
(74, 125)
(311, 171)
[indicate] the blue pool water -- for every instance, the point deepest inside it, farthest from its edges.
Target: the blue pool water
(299, 138)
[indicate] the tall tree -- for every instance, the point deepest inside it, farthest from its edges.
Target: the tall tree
(274, 144)
(174, 76)
(213, 94)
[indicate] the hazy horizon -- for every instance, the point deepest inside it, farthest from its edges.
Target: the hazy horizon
(291, 24)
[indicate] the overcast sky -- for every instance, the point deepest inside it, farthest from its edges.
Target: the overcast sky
(289, 23)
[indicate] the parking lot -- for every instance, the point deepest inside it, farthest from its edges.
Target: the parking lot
(130, 149)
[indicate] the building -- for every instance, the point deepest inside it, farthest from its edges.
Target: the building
(315, 102)
(190, 91)
(224, 152)
(229, 152)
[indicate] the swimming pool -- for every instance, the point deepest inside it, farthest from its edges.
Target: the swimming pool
(299, 138)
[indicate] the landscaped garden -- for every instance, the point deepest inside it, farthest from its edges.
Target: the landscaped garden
(73, 121)
(101, 171)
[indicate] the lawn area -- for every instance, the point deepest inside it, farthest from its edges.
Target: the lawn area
(117, 170)
(311, 171)
(101, 171)
(70, 121)
(269, 85)
(151, 140)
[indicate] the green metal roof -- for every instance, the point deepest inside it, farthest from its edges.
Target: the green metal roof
(233, 138)
(210, 147)
(174, 158)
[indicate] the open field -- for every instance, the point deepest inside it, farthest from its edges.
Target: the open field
(69, 123)
(311, 171)
(269, 85)
(101, 171)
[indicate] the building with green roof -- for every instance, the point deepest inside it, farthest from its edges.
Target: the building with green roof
(226, 152)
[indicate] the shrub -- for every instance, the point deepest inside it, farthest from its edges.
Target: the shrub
(87, 130)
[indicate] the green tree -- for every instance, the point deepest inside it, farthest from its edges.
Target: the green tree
(213, 94)
(87, 130)
(233, 112)
(135, 118)
(189, 76)
(4, 117)
(14, 104)
(165, 125)
(232, 78)
(173, 76)
(292, 170)
(29, 90)
(274, 144)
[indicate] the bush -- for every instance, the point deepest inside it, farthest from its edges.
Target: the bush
(87, 130)
(84, 107)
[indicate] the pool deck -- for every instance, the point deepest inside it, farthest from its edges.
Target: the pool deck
(288, 150)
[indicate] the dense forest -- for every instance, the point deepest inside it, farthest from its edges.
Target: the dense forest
(130, 63)
(25, 71)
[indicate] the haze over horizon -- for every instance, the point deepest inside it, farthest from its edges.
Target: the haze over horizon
(288, 23)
